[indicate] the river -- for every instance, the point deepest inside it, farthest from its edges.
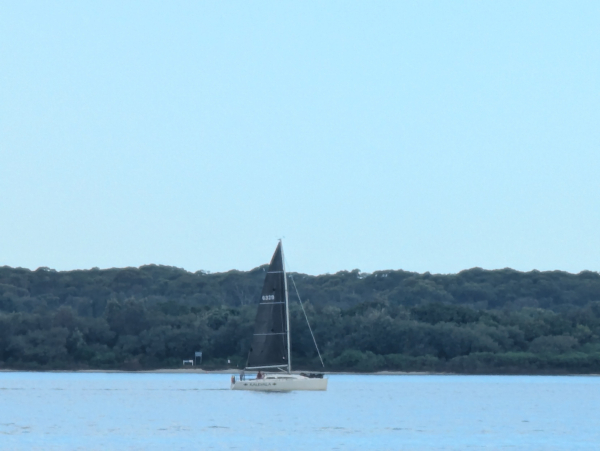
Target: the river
(159, 411)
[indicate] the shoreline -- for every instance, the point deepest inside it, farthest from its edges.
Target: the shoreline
(327, 373)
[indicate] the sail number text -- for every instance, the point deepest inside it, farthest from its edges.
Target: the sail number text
(268, 297)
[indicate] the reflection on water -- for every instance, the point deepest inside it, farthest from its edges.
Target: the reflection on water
(189, 411)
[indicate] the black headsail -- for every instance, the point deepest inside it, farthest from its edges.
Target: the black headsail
(270, 341)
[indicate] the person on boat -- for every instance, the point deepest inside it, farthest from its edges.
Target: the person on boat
(259, 375)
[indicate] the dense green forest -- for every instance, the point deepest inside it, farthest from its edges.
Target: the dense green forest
(476, 321)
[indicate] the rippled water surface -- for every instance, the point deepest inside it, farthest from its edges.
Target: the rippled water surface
(189, 411)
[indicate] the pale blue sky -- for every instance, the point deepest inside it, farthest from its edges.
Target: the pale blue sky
(427, 136)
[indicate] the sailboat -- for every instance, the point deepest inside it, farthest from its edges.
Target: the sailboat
(270, 349)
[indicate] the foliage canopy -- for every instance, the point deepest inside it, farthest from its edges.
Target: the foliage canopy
(476, 321)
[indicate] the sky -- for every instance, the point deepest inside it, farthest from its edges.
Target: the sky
(424, 136)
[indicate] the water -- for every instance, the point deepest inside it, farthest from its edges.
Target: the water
(55, 411)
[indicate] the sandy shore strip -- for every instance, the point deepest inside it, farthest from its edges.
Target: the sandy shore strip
(326, 373)
(222, 371)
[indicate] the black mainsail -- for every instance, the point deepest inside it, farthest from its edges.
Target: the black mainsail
(270, 342)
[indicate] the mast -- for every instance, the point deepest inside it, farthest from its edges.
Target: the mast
(287, 312)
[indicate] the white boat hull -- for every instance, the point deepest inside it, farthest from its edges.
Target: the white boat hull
(281, 384)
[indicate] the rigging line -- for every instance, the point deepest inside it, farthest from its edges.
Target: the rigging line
(305, 316)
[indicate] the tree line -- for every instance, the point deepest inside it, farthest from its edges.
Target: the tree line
(476, 321)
